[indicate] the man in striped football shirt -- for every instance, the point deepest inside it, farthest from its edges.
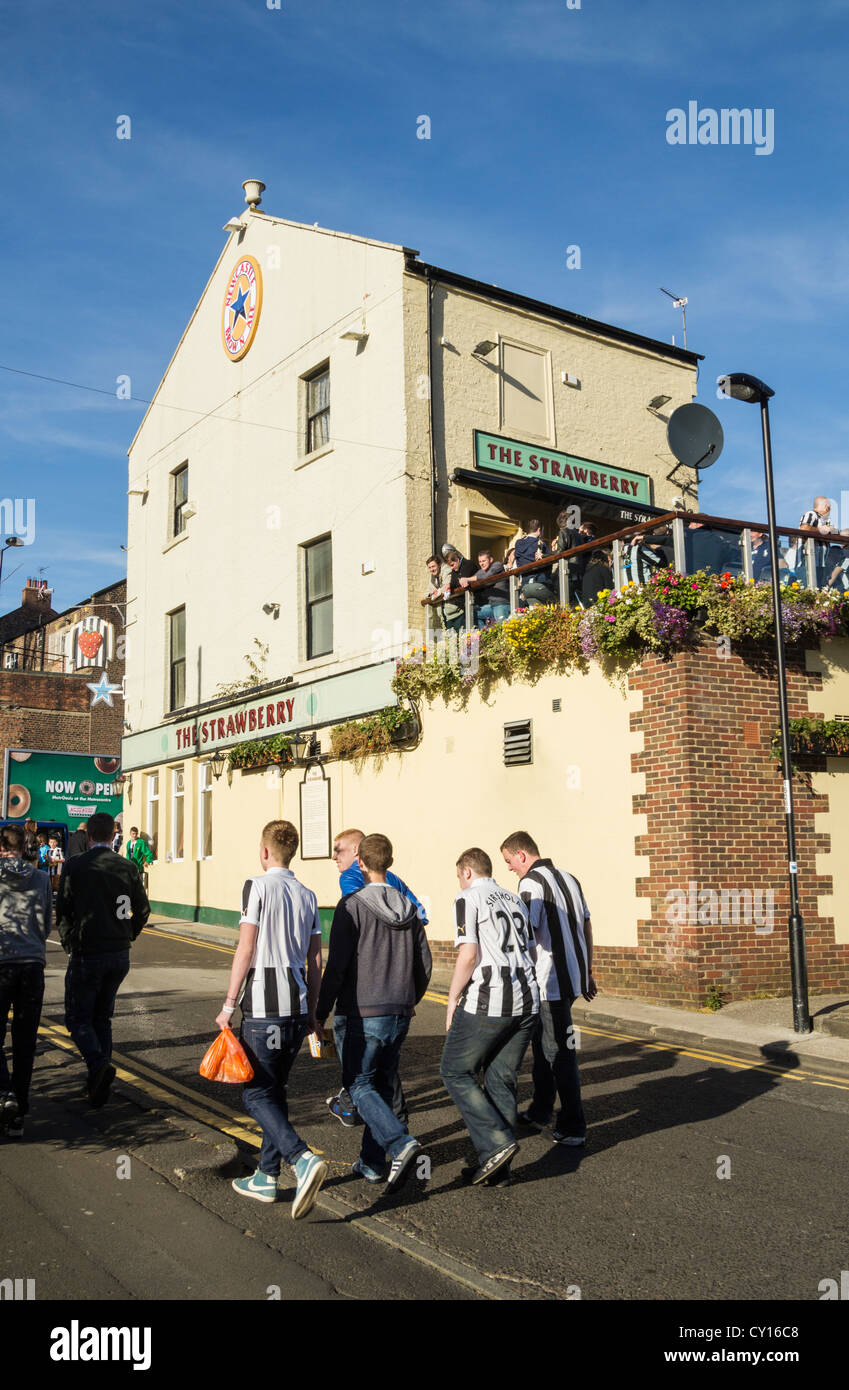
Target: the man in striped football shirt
(278, 960)
(493, 1004)
(560, 921)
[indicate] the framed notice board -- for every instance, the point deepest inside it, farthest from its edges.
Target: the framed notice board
(315, 814)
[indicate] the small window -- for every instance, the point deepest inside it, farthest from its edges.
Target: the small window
(518, 743)
(180, 498)
(205, 812)
(178, 800)
(318, 409)
(318, 589)
(177, 650)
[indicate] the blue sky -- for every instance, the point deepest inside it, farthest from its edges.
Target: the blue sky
(548, 129)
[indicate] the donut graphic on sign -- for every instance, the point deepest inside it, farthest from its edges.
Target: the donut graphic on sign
(240, 311)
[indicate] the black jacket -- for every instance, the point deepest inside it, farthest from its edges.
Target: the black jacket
(379, 962)
(77, 844)
(101, 904)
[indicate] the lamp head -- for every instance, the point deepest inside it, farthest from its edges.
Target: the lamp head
(742, 387)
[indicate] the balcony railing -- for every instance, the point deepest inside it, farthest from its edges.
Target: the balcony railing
(718, 544)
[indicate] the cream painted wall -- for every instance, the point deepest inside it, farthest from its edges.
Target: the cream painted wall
(256, 500)
(451, 792)
(833, 664)
(606, 420)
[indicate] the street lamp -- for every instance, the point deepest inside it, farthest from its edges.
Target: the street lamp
(11, 542)
(742, 387)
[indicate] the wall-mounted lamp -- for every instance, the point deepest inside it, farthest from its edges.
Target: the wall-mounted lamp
(484, 348)
(272, 608)
(217, 762)
(657, 401)
(305, 748)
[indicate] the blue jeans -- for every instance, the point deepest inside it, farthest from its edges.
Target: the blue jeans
(272, 1044)
(372, 1048)
(556, 1069)
(399, 1100)
(91, 987)
(492, 613)
(496, 1045)
(535, 592)
(22, 990)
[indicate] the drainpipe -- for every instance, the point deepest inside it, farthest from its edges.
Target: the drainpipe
(433, 483)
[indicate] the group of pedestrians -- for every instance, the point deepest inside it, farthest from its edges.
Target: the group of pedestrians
(100, 908)
(522, 958)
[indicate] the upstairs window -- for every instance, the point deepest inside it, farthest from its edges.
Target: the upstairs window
(318, 591)
(318, 409)
(180, 492)
(177, 658)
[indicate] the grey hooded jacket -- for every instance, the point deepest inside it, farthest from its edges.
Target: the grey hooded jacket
(25, 911)
(379, 962)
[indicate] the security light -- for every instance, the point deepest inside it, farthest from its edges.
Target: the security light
(657, 401)
(484, 348)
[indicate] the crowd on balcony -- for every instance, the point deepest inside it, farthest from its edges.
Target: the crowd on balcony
(590, 571)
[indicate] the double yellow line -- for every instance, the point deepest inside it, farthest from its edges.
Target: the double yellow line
(699, 1054)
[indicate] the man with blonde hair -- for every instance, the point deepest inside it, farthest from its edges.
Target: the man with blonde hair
(278, 962)
(378, 968)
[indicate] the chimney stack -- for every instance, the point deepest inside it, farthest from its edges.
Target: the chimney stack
(35, 592)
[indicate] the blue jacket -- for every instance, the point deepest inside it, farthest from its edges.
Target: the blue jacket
(352, 880)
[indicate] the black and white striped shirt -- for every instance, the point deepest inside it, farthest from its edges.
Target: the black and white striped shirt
(286, 914)
(504, 982)
(558, 911)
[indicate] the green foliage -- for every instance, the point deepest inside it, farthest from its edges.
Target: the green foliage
(822, 736)
(256, 662)
(259, 752)
(713, 999)
(664, 615)
(376, 734)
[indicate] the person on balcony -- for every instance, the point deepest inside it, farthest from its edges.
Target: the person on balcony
(438, 579)
(599, 576)
(493, 602)
(706, 550)
(462, 571)
(539, 587)
(828, 554)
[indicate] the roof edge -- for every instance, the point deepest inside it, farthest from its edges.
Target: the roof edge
(539, 306)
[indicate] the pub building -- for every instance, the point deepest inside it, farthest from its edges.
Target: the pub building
(335, 410)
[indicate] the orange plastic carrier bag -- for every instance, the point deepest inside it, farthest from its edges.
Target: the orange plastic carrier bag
(226, 1059)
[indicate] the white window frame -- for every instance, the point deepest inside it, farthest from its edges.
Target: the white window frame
(204, 806)
(176, 773)
(152, 798)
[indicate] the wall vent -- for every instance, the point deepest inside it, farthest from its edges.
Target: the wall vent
(518, 743)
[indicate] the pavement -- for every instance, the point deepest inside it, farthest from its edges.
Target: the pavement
(754, 1028)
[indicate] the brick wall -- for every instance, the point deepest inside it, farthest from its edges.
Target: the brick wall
(715, 818)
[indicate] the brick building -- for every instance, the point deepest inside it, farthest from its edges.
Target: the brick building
(45, 702)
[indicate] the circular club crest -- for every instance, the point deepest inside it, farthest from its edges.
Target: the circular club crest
(242, 303)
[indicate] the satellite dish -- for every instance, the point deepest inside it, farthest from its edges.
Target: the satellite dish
(695, 436)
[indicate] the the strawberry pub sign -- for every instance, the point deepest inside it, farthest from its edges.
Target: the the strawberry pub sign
(241, 308)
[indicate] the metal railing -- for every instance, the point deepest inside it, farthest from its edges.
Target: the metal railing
(680, 540)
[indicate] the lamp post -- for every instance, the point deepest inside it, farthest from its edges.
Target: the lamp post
(11, 542)
(742, 387)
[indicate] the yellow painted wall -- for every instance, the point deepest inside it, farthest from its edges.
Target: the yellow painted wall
(451, 792)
